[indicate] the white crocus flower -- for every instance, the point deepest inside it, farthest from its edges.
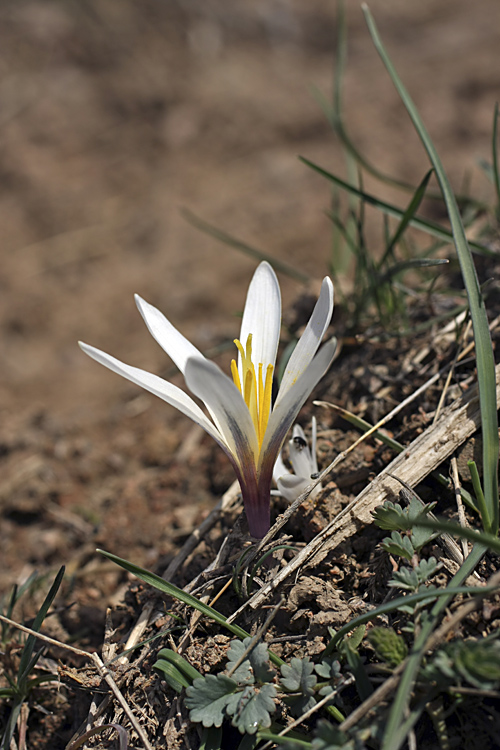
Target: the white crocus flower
(304, 464)
(243, 422)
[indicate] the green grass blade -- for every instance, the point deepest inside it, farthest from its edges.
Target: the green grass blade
(233, 242)
(10, 725)
(364, 426)
(172, 675)
(25, 663)
(484, 349)
(409, 214)
(264, 734)
(211, 738)
(395, 731)
(483, 538)
(481, 503)
(405, 265)
(176, 593)
(180, 663)
(335, 115)
(401, 601)
(430, 227)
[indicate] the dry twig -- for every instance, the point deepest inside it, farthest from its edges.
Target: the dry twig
(458, 421)
(102, 670)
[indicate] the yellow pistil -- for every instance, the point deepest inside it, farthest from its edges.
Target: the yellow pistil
(255, 389)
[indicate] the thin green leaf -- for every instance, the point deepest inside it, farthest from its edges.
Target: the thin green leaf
(482, 338)
(396, 730)
(172, 675)
(481, 503)
(168, 588)
(227, 239)
(211, 738)
(405, 265)
(476, 537)
(430, 227)
(25, 663)
(122, 736)
(394, 604)
(335, 115)
(409, 214)
(11, 725)
(272, 737)
(180, 663)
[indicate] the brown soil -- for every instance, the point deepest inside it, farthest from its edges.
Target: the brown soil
(116, 114)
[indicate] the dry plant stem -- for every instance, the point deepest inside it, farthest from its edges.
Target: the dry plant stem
(377, 426)
(458, 421)
(227, 501)
(475, 691)
(445, 540)
(448, 329)
(460, 506)
(434, 640)
(306, 716)
(102, 670)
(282, 520)
(196, 617)
(256, 638)
(137, 632)
(278, 525)
(412, 740)
(22, 724)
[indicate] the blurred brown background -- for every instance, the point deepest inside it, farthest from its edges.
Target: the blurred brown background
(114, 114)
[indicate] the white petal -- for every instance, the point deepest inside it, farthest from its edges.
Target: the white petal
(262, 317)
(310, 339)
(162, 388)
(227, 408)
(290, 487)
(280, 470)
(286, 410)
(178, 348)
(300, 455)
(314, 457)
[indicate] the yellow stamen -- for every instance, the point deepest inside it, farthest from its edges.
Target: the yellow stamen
(255, 391)
(260, 387)
(266, 401)
(235, 374)
(249, 386)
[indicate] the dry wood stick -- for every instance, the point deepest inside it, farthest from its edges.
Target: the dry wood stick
(458, 421)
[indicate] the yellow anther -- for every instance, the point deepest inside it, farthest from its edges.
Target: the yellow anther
(235, 374)
(255, 391)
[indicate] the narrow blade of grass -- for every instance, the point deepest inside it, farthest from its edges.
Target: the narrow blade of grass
(430, 227)
(401, 601)
(405, 265)
(176, 593)
(484, 349)
(409, 214)
(233, 242)
(395, 731)
(27, 655)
